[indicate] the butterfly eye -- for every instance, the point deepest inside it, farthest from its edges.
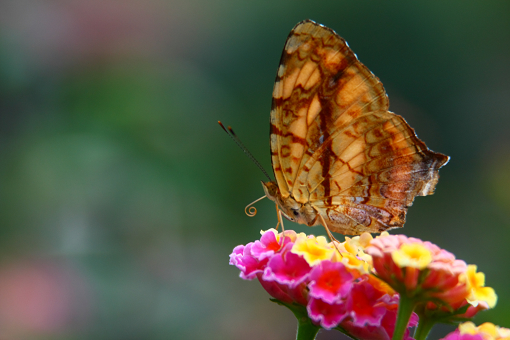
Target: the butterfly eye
(295, 212)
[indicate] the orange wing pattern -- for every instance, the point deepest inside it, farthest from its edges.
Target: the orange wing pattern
(336, 150)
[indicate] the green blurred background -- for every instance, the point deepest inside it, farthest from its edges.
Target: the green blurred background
(121, 198)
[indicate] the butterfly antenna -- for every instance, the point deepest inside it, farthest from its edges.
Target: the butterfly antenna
(236, 139)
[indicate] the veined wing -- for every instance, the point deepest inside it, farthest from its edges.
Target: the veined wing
(333, 142)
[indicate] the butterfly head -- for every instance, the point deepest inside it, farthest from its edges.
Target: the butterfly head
(294, 211)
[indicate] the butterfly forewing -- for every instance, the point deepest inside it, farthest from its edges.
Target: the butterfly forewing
(335, 145)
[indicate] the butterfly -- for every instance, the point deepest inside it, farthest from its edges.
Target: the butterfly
(339, 156)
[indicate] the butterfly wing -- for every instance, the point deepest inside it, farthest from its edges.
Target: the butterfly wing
(373, 187)
(334, 143)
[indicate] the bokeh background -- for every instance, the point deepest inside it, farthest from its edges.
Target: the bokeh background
(121, 198)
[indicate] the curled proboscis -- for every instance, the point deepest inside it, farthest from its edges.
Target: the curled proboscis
(250, 210)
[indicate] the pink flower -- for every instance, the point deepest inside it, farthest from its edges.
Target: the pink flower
(328, 315)
(276, 290)
(287, 268)
(373, 309)
(330, 281)
(298, 294)
(367, 305)
(457, 336)
(270, 243)
(368, 311)
(249, 266)
(382, 332)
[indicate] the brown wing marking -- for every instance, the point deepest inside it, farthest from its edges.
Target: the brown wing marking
(376, 178)
(394, 154)
(344, 144)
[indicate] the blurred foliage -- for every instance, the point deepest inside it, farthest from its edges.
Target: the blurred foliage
(121, 198)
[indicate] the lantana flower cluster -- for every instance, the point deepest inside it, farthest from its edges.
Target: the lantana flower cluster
(336, 289)
(430, 280)
(359, 285)
(486, 331)
(431, 275)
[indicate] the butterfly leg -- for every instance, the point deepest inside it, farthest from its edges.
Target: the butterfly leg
(331, 237)
(280, 219)
(277, 217)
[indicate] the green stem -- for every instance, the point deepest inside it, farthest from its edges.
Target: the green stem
(405, 309)
(306, 329)
(424, 328)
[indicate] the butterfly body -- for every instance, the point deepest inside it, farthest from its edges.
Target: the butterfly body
(303, 213)
(336, 150)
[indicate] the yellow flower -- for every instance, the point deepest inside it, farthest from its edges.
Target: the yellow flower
(413, 255)
(350, 245)
(468, 328)
(478, 292)
(353, 262)
(384, 234)
(361, 241)
(313, 249)
(488, 330)
(352, 253)
(504, 333)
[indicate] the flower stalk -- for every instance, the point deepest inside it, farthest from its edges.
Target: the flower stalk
(424, 328)
(306, 329)
(405, 310)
